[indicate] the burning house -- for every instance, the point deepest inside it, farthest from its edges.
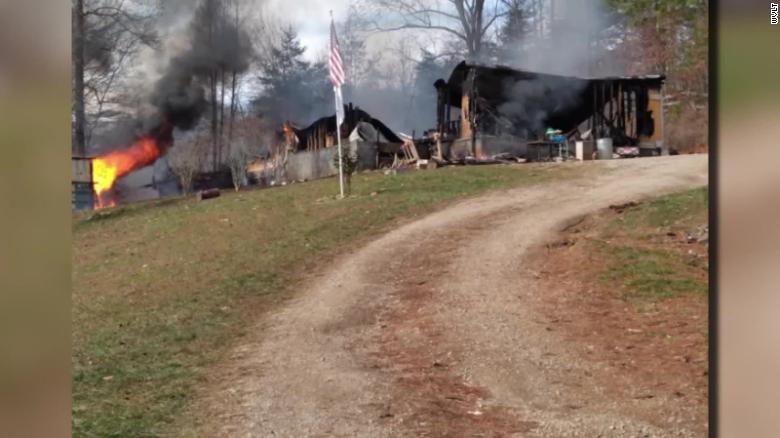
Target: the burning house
(483, 111)
(94, 178)
(211, 47)
(307, 152)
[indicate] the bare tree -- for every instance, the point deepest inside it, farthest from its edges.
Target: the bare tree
(238, 158)
(219, 29)
(242, 29)
(79, 118)
(106, 36)
(233, 84)
(358, 63)
(469, 21)
(186, 159)
(248, 136)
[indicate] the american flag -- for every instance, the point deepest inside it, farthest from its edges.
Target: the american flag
(336, 65)
(337, 78)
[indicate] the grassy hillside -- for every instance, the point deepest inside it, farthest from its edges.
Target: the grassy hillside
(626, 288)
(648, 254)
(161, 289)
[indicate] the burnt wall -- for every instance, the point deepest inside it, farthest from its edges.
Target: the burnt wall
(488, 146)
(484, 146)
(309, 165)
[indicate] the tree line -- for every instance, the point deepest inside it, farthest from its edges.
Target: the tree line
(393, 81)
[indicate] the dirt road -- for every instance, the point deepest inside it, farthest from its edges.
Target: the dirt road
(431, 330)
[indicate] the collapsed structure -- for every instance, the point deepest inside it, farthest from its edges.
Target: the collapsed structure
(485, 111)
(322, 133)
(306, 153)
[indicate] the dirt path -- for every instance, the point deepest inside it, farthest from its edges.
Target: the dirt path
(431, 330)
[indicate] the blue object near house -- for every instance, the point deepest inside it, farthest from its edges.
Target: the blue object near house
(558, 138)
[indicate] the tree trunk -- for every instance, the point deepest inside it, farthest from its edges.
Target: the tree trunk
(232, 110)
(222, 116)
(233, 92)
(214, 143)
(79, 146)
(540, 18)
(213, 84)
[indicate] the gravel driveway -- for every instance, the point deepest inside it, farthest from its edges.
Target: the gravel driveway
(430, 330)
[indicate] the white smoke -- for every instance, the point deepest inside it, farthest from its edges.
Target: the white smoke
(566, 43)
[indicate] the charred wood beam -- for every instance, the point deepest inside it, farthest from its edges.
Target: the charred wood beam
(593, 114)
(612, 109)
(621, 106)
(439, 107)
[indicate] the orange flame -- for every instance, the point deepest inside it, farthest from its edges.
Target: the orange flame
(108, 168)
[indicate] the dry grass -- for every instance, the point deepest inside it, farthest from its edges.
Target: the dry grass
(162, 289)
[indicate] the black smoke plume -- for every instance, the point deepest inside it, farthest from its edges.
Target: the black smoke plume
(534, 104)
(216, 46)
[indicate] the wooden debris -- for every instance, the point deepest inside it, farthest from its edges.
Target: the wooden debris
(426, 164)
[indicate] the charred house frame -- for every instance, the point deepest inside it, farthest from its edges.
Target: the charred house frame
(500, 109)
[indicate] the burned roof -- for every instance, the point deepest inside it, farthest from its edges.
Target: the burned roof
(506, 70)
(353, 116)
(493, 80)
(372, 131)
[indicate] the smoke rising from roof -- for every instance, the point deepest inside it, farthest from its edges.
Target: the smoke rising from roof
(531, 102)
(566, 47)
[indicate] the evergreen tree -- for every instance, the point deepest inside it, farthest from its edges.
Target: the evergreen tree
(292, 86)
(514, 30)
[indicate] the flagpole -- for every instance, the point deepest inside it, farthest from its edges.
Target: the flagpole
(337, 96)
(336, 91)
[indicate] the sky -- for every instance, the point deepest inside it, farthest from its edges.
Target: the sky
(310, 17)
(312, 20)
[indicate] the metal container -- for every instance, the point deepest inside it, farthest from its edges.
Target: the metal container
(82, 196)
(82, 192)
(604, 148)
